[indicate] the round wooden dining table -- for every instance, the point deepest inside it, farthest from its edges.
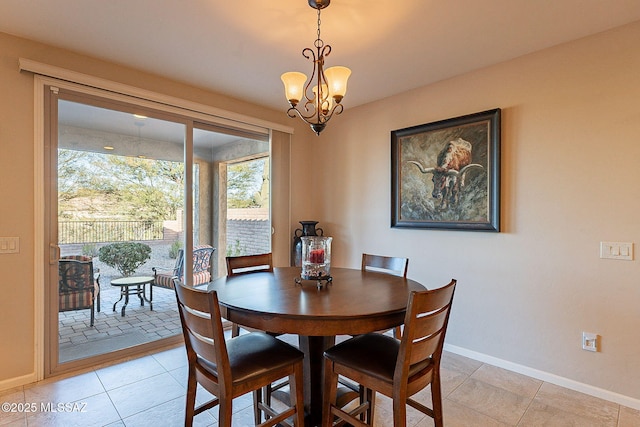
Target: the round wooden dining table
(353, 302)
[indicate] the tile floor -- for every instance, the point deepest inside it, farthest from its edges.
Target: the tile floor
(150, 391)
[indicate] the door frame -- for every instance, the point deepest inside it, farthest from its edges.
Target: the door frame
(46, 75)
(52, 96)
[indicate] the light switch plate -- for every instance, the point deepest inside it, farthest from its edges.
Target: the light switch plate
(617, 250)
(590, 341)
(9, 245)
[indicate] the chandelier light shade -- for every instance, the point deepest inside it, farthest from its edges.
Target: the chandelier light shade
(317, 98)
(293, 86)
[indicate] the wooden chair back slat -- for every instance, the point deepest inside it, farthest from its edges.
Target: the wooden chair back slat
(202, 326)
(249, 264)
(197, 323)
(194, 300)
(428, 325)
(427, 336)
(436, 299)
(390, 265)
(425, 326)
(203, 348)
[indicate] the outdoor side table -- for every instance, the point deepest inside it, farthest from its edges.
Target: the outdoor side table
(135, 285)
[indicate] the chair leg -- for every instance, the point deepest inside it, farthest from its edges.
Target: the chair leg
(224, 412)
(296, 388)
(364, 397)
(257, 399)
(235, 330)
(99, 292)
(370, 395)
(399, 411)
(330, 391)
(267, 398)
(436, 400)
(267, 394)
(397, 332)
(190, 408)
(93, 315)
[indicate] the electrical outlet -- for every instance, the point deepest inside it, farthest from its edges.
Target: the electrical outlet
(589, 341)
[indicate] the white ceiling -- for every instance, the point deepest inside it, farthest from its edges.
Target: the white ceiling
(240, 48)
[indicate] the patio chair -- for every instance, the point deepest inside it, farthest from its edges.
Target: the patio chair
(201, 269)
(78, 285)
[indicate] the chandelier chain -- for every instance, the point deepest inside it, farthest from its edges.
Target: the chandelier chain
(319, 43)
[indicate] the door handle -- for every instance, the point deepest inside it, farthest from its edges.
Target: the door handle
(54, 253)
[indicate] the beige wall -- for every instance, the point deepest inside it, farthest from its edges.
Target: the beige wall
(570, 151)
(571, 120)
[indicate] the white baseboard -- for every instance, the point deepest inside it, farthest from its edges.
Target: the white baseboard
(481, 357)
(18, 381)
(545, 376)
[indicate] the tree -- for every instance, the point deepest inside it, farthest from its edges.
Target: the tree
(98, 184)
(246, 183)
(150, 189)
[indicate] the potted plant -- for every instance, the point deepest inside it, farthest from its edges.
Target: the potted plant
(125, 257)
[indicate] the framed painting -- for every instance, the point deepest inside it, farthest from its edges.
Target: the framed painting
(446, 174)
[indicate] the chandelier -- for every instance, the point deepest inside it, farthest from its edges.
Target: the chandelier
(329, 86)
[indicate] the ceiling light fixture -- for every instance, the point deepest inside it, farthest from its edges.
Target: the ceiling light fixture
(329, 88)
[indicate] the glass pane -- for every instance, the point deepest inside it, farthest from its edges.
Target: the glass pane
(120, 205)
(216, 151)
(248, 206)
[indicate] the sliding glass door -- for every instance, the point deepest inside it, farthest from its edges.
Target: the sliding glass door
(116, 219)
(135, 193)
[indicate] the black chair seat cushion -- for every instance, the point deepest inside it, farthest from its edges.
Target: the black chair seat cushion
(373, 354)
(251, 355)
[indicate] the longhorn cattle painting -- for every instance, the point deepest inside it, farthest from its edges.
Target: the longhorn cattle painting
(446, 174)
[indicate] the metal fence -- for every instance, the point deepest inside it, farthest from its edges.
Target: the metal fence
(108, 231)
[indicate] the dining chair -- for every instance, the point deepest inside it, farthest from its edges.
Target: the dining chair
(228, 369)
(396, 368)
(389, 265)
(247, 264)
(383, 264)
